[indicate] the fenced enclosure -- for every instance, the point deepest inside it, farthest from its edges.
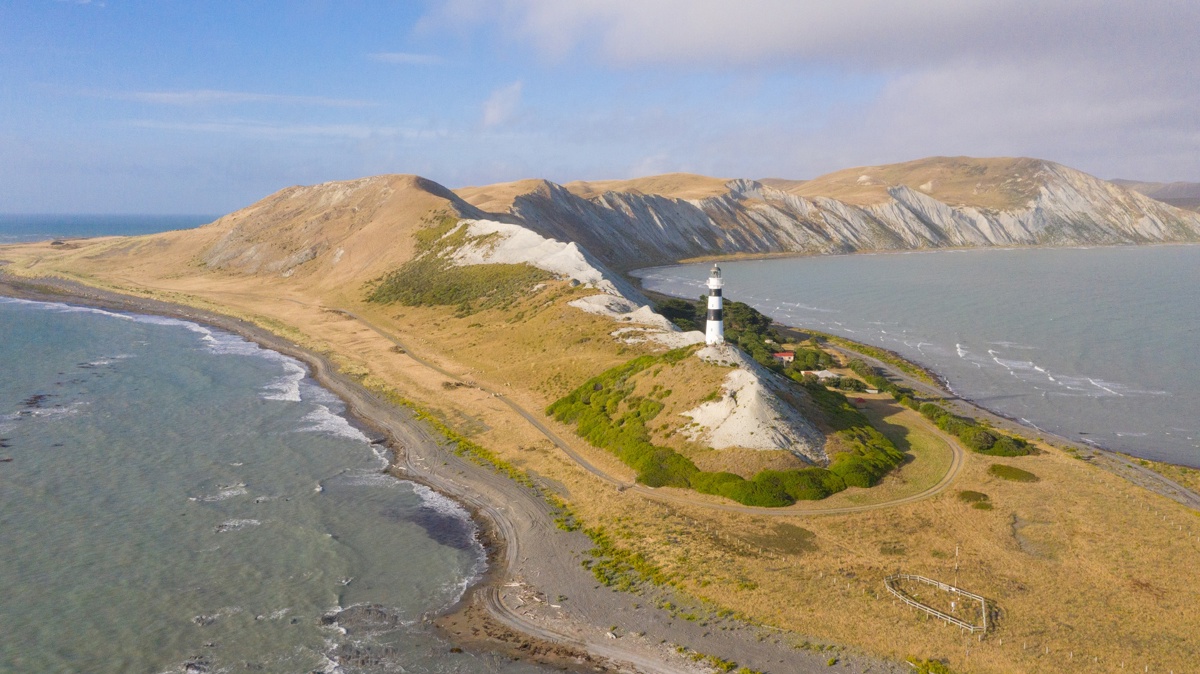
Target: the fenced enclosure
(890, 584)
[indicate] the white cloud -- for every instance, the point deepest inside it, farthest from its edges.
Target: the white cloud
(859, 33)
(199, 97)
(1110, 87)
(502, 104)
(405, 58)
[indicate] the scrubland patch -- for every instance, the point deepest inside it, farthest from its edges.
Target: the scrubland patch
(1011, 473)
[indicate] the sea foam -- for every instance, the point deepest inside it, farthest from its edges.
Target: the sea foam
(446, 506)
(322, 420)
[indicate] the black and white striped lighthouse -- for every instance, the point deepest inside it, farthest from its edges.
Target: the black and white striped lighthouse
(714, 330)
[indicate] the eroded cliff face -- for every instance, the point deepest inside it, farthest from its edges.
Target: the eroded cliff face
(627, 229)
(351, 231)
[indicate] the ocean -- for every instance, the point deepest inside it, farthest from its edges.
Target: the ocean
(16, 228)
(177, 499)
(1098, 345)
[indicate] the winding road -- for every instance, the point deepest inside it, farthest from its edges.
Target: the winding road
(674, 497)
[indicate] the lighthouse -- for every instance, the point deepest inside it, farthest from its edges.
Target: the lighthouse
(714, 330)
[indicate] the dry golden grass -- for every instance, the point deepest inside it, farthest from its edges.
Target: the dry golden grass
(998, 183)
(929, 449)
(499, 198)
(744, 462)
(1188, 477)
(674, 185)
(1080, 565)
(783, 184)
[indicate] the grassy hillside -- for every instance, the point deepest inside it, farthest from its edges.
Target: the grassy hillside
(999, 183)
(608, 414)
(1087, 571)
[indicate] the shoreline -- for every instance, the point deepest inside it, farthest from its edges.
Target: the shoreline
(1120, 463)
(383, 432)
(509, 608)
(750, 257)
(940, 382)
(491, 615)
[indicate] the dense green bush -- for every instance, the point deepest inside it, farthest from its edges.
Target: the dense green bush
(974, 436)
(1011, 473)
(849, 384)
(682, 313)
(812, 359)
(745, 326)
(609, 416)
(870, 457)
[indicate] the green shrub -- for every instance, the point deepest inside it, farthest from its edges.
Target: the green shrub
(876, 379)
(931, 411)
(432, 278)
(811, 359)
(1009, 446)
(849, 384)
(974, 436)
(1011, 473)
(929, 667)
(972, 496)
(608, 416)
(685, 314)
(870, 456)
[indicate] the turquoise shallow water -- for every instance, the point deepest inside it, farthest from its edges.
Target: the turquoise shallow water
(179, 499)
(1099, 345)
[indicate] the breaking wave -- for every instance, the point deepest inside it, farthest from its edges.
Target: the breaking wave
(323, 420)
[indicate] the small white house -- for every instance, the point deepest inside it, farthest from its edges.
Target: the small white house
(821, 374)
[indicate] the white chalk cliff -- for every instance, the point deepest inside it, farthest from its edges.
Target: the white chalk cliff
(1060, 207)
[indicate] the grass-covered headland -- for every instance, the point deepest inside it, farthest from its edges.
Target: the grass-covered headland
(609, 416)
(432, 278)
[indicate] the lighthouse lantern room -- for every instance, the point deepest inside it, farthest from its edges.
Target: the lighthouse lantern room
(714, 329)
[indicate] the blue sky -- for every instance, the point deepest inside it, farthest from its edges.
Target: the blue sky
(205, 107)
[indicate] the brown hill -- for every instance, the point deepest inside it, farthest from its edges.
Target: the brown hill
(674, 185)
(1177, 194)
(999, 183)
(333, 233)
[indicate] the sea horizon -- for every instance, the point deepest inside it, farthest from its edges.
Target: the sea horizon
(29, 227)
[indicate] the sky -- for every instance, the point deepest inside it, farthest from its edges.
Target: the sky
(182, 106)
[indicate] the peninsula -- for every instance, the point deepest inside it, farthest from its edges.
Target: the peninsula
(659, 504)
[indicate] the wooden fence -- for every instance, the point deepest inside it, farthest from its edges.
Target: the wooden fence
(902, 596)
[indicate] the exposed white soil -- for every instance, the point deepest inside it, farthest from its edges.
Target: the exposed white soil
(631, 229)
(750, 413)
(495, 242)
(505, 243)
